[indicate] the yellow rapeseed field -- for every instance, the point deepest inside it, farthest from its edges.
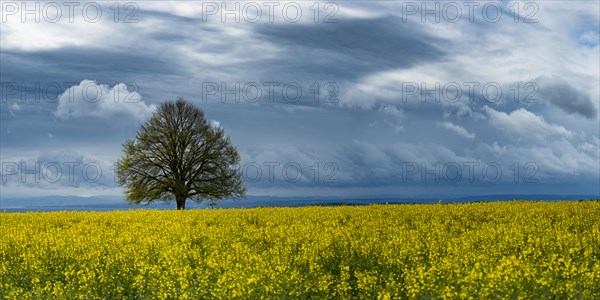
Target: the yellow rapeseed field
(480, 250)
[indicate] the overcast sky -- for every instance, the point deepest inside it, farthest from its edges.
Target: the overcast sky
(360, 98)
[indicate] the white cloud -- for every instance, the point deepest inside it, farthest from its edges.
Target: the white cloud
(550, 160)
(42, 30)
(89, 99)
(395, 127)
(34, 35)
(13, 108)
(393, 111)
(56, 170)
(523, 124)
(457, 129)
(396, 116)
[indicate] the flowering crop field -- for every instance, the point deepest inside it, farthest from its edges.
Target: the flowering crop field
(513, 249)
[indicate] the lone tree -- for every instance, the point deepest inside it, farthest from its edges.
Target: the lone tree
(178, 155)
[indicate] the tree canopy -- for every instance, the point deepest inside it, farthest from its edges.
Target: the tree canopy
(178, 155)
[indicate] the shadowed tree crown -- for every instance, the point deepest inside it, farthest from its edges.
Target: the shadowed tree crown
(177, 155)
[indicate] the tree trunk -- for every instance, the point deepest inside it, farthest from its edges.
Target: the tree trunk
(180, 202)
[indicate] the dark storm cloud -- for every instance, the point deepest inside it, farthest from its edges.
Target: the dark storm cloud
(75, 63)
(30, 129)
(562, 94)
(352, 47)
